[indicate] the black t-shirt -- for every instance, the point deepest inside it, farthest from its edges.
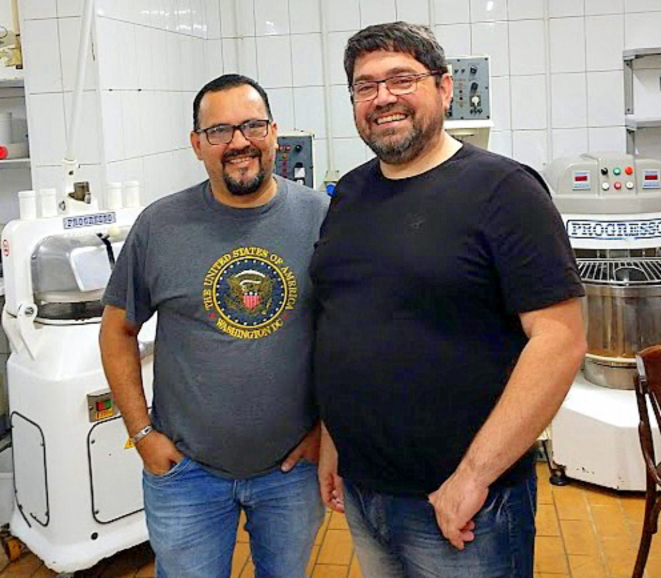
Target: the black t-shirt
(420, 282)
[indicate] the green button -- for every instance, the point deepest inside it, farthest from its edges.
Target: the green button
(108, 404)
(617, 171)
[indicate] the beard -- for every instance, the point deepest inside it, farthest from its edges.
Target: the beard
(239, 187)
(394, 150)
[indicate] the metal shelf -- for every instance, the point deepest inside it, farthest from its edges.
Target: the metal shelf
(11, 83)
(15, 164)
(634, 122)
(633, 53)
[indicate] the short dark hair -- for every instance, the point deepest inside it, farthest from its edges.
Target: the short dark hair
(226, 82)
(414, 39)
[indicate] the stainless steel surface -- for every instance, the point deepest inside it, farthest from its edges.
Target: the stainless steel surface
(622, 314)
(613, 375)
(72, 268)
(620, 272)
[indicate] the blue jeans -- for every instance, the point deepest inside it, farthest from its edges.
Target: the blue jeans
(192, 518)
(398, 537)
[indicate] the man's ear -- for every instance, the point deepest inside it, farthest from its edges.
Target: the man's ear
(196, 144)
(445, 89)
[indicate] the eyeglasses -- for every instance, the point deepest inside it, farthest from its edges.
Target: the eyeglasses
(224, 133)
(365, 90)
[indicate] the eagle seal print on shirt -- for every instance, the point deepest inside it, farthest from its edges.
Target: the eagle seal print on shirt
(248, 292)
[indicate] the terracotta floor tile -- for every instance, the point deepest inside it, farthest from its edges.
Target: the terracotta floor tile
(620, 557)
(248, 570)
(337, 548)
(43, 572)
(587, 567)
(570, 503)
(653, 568)
(313, 559)
(547, 520)
(241, 555)
(24, 567)
(601, 496)
(241, 534)
(609, 521)
(655, 548)
(579, 538)
(544, 493)
(147, 571)
(330, 571)
(338, 521)
(354, 569)
(324, 526)
(550, 555)
(633, 507)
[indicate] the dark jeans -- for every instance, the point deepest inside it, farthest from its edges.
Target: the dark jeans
(398, 537)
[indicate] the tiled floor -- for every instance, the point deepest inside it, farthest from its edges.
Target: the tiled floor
(582, 532)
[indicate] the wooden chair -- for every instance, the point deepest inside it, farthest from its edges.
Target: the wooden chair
(648, 388)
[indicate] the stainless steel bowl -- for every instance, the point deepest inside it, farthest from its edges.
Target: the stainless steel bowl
(620, 320)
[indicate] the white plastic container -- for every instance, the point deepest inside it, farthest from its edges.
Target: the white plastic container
(48, 203)
(132, 194)
(27, 205)
(114, 196)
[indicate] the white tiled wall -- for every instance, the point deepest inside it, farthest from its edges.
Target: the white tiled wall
(556, 68)
(556, 64)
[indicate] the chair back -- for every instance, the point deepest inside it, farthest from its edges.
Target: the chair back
(648, 388)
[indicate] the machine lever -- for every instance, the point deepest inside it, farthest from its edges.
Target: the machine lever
(105, 239)
(29, 336)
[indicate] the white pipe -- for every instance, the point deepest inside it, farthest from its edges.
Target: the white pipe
(76, 107)
(325, 71)
(432, 15)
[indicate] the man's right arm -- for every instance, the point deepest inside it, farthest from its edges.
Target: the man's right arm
(121, 362)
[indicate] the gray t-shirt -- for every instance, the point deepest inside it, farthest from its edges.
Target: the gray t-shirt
(232, 367)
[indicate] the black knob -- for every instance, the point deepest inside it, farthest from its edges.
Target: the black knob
(473, 69)
(604, 171)
(298, 148)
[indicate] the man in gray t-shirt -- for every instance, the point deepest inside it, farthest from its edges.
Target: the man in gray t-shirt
(233, 424)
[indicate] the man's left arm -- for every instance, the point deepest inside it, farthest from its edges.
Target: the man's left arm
(536, 388)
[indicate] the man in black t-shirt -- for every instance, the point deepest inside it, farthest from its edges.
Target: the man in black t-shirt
(449, 330)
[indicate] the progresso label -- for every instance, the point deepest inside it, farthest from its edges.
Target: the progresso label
(80, 221)
(614, 230)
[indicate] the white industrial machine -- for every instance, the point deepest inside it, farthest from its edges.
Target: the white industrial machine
(77, 479)
(611, 207)
(469, 117)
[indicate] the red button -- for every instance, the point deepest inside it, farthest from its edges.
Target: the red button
(618, 185)
(100, 406)
(629, 170)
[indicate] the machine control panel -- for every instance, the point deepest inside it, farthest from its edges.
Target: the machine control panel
(470, 99)
(605, 183)
(294, 159)
(101, 405)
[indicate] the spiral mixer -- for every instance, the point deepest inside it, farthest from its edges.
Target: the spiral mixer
(611, 207)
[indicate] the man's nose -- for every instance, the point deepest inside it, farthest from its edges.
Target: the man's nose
(383, 95)
(238, 140)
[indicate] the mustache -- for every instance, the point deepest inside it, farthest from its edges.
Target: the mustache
(389, 109)
(248, 151)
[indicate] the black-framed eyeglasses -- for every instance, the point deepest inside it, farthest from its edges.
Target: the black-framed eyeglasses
(255, 129)
(365, 90)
